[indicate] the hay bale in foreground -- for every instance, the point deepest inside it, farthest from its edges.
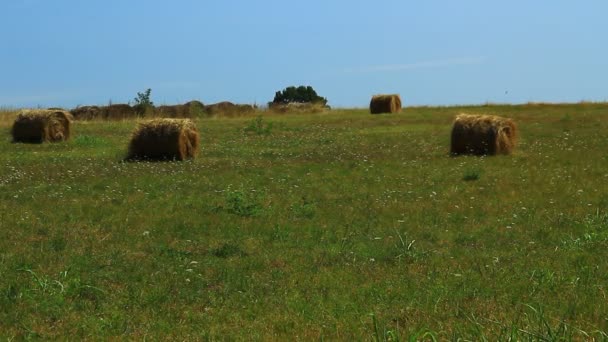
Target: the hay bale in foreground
(385, 104)
(164, 139)
(38, 126)
(483, 135)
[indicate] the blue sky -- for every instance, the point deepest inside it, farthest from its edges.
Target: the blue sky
(75, 52)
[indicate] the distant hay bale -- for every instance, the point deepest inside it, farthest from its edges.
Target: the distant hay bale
(385, 104)
(483, 135)
(164, 139)
(42, 125)
(119, 112)
(86, 113)
(190, 109)
(226, 108)
(172, 111)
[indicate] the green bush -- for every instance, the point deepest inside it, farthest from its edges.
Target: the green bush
(143, 103)
(301, 94)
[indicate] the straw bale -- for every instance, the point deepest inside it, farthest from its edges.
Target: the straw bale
(385, 104)
(119, 112)
(42, 125)
(87, 112)
(164, 139)
(483, 135)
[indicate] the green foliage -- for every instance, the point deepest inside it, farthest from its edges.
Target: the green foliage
(243, 203)
(471, 175)
(301, 94)
(228, 250)
(258, 126)
(143, 103)
(88, 141)
(350, 215)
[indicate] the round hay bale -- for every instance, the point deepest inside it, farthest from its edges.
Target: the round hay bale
(164, 139)
(385, 104)
(229, 109)
(483, 135)
(41, 125)
(191, 109)
(119, 112)
(173, 111)
(86, 113)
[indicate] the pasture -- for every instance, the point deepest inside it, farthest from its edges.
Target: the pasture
(338, 225)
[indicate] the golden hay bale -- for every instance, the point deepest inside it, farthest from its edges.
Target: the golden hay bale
(483, 135)
(86, 112)
(385, 104)
(38, 126)
(164, 139)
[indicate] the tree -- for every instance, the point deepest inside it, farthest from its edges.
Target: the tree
(143, 103)
(301, 94)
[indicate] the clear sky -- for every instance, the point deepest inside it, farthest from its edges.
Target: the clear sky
(436, 52)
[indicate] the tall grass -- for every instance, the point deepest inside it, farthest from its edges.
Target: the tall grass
(336, 226)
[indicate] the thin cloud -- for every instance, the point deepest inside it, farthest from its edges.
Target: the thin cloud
(420, 65)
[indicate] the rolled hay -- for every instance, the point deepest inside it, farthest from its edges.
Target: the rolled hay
(192, 109)
(86, 113)
(164, 139)
(385, 104)
(483, 135)
(42, 125)
(118, 112)
(229, 109)
(172, 111)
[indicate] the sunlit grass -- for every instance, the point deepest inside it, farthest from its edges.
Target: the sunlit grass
(337, 225)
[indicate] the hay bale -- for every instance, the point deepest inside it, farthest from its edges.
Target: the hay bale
(38, 126)
(164, 139)
(191, 109)
(173, 111)
(483, 135)
(226, 108)
(119, 112)
(385, 104)
(86, 113)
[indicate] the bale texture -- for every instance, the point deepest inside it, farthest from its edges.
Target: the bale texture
(385, 104)
(86, 113)
(483, 135)
(38, 126)
(228, 109)
(119, 112)
(164, 139)
(190, 109)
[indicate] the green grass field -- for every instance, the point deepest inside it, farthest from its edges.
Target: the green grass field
(330, 226)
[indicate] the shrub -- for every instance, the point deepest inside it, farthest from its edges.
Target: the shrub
(258, 126)
(301, 94)
(143, 103)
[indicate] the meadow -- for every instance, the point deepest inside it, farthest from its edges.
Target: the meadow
(338, 225)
